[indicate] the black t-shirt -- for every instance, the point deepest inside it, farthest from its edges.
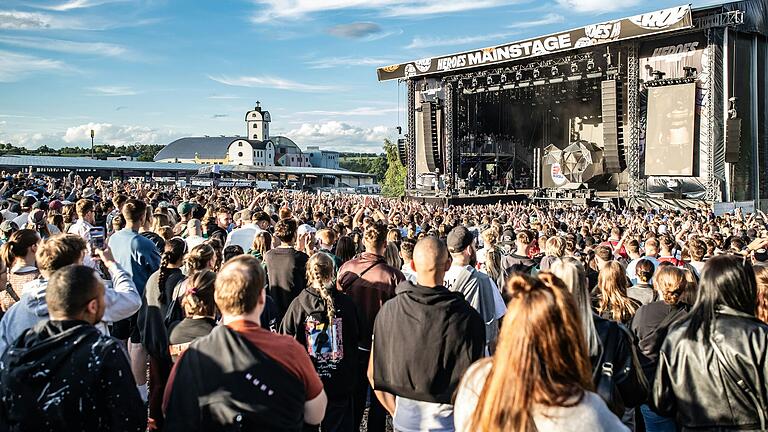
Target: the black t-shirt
(332, 348)
(286, 269)
(190, 329)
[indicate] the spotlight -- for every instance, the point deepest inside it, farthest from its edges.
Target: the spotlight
(590, 64)
(518, 76)
(658, 75)
(503, 79)
(690, 72)
(474, 82)
(554, 71)
(489, 80)
(536, 74)
(574, 68)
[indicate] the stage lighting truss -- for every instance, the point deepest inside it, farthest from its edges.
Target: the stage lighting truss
(543, 72)
(668, 82)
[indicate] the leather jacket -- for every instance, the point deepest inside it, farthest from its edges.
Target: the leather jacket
(693, 385)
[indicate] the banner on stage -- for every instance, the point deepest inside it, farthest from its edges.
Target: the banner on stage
(661, 21)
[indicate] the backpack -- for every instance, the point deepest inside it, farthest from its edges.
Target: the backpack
(617, 375)
(174, 313)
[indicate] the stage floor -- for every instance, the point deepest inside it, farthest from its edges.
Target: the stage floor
(522, 195)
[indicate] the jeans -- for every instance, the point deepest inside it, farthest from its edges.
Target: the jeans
(655, 422)
(377, 415)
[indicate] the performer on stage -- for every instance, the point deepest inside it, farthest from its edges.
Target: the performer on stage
(510, 181)
(471, 179)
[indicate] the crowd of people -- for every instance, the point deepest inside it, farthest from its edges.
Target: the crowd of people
(235, 309)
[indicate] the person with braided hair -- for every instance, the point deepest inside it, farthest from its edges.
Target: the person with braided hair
(152, 326)
(324, 321)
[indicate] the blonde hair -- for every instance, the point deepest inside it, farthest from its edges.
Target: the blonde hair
(612, 282)
(555, 247)
(321, 273)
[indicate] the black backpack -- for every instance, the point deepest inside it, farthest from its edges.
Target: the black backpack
(617, 375)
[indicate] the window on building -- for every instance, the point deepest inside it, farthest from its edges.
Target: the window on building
(239, 144)
(255, 136)
(239, 154)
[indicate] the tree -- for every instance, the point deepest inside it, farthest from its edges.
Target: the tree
(394, 178)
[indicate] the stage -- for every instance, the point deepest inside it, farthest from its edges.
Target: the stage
(474, 199)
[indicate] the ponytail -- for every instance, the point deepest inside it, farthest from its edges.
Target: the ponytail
(18, 245)
(174, 251)
(320, 275)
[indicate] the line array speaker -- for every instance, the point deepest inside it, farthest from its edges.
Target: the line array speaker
(431, 140)
(613, 138)
(402, 151)
(732, 140)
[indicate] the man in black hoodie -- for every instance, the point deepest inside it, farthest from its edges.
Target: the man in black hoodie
(424, 340)
(63, 374)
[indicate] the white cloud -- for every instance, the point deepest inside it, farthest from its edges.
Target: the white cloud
(113, 91)
(65, 46)
(15, 67)
(596, 6)
(294, 9)
(106, 133)
(430, 42)
(361, 111)
(332, 62)
(551, 18)
(225, 97)
(78, 4)
(271, 82)
(334, 135)
(16, 20)
(355, 30)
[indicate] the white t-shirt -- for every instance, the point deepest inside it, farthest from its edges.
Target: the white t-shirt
(243, 236)
(498, 302)
(590, 415)
(416, 416)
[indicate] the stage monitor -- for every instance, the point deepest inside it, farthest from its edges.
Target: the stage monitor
(669, 138)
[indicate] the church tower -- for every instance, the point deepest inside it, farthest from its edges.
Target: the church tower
(258, 123)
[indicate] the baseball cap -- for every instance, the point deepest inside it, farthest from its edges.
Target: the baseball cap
(761, 256)
(507, 237)
(185, 208)
(459, 239)
(305, 229)
(37, 217)
(8, 226)
(55, 205)
(28, 202)
(88, 192)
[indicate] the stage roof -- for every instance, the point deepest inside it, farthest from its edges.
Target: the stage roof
(661, 21)
(71, 163)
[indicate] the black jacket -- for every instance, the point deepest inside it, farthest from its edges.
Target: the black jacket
(335, 360)
(424, 341)
(695, 386)
(66, 376)
(650, 326)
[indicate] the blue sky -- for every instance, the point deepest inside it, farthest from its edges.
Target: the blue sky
(151, 71)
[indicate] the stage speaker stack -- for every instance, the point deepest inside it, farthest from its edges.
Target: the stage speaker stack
(402, 151)
(431, 142)
(612, 132)
(732, 140)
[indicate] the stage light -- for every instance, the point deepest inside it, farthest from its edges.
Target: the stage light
(554, 71)
(489, 80)
(590, 64)
(574, 68)
(518, 76)
(503, 79)
(658, 75)
(536, 74)
(690, 72)
(474, 82)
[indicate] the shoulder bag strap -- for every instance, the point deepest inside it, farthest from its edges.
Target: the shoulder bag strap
(739, 382)
(9, 288)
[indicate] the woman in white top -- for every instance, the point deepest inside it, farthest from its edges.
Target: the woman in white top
(539, 378)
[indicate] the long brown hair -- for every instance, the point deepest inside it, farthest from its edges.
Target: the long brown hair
(541, 357)
(761, 275)
(612, 282)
